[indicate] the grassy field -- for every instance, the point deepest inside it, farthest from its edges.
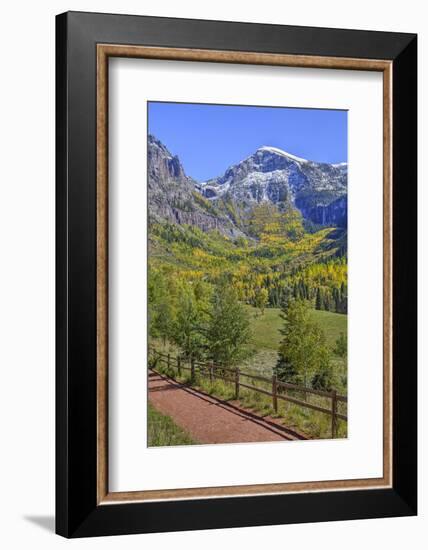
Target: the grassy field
(266, 336)
(163, 432)
(331, 323)
(266, 327)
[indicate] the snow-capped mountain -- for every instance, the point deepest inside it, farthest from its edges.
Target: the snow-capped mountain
(318, 190)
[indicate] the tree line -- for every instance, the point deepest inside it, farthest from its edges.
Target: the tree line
(209, 322)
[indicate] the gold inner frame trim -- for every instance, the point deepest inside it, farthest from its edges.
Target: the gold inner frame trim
(104, 51)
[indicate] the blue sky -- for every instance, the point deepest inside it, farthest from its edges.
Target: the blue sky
(209, 138)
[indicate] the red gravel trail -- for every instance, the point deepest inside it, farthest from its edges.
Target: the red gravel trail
(210, 420)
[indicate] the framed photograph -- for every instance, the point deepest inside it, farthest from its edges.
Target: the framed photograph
(236, 274)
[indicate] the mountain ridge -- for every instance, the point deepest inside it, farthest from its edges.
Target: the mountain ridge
(270, 175)
(274, 175)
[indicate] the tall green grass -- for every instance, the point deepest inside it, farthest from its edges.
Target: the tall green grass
(162, 431)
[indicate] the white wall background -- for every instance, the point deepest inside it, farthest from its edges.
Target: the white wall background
(27, 271)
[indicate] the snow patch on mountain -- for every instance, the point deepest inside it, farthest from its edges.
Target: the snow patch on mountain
(277, 151)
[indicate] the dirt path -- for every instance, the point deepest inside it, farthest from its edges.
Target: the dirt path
(210, 420)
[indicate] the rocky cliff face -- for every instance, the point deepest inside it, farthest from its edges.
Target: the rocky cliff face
(333, 213)
(173, 195)
(273, 175)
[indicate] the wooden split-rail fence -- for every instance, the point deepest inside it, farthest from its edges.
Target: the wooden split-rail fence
(279, 390)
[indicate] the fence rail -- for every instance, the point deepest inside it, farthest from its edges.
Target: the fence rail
(234, 376)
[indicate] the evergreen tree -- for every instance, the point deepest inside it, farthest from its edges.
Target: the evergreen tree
(326, 302)
(344, 298)
(286, 297)
(285, 370)
(336, 300)
(295, 291)
(318, 300)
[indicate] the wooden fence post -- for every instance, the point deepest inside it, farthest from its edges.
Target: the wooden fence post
(237, 383)
(179, 365)
(192, 370)
(168, 361)
(274, 393)
(333, 414)
(211, 372)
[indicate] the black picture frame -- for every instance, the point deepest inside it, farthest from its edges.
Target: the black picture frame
(77, 511)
